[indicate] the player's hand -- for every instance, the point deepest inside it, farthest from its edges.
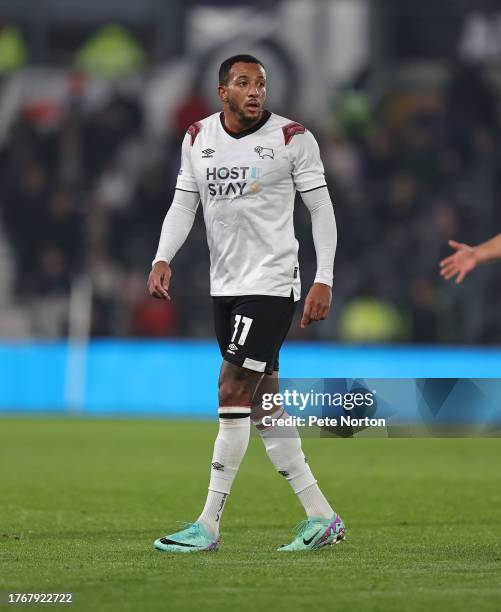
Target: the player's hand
(159, 279)
(460, 263)
(317, 304)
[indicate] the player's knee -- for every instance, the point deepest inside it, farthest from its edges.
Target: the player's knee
(233, 393)
(237, 385)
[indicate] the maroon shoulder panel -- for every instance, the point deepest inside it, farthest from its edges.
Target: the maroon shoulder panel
(291, 129)
(193, 131)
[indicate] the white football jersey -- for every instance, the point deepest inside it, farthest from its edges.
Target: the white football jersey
(247, 184)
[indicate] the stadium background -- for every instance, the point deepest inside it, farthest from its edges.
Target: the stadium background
(95, 97)
(404, 101)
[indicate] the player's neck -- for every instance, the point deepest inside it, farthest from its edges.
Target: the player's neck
(234, 123)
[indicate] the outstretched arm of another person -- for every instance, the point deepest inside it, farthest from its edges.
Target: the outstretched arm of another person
(466, 258)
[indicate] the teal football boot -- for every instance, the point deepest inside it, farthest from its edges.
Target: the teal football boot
(192, 538)
(314, 533)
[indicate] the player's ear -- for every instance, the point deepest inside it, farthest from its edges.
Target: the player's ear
(221, 90)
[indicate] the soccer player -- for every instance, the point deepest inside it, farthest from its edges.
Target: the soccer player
(466, 258)
(245, 165)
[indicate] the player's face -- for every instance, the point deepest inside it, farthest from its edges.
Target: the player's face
(245, 91)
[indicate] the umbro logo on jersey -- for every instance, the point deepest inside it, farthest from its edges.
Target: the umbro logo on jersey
(232, 349)
(208, 152)
(265, 152)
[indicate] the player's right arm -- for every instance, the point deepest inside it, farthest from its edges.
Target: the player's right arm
(466, 258)
(176, 226)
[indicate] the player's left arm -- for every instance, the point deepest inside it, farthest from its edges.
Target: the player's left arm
(309, 178)
(324, 229)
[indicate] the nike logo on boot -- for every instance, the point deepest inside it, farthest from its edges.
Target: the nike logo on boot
(308, 542)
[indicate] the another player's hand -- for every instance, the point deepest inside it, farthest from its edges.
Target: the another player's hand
(317, 304)
(459, 263)
(159, 279)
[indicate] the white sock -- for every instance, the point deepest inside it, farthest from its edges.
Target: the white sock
(314, 502)
(229, 450)
(213, 509)
(283, 445)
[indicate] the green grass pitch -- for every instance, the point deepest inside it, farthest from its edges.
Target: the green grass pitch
(83, 500)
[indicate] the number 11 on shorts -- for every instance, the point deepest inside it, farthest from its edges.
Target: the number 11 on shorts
(247, 322)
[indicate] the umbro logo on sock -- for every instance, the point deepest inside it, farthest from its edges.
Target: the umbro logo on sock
(218, 466)
(208, 153)
(284, 473)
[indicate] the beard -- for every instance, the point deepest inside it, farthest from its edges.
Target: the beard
(240, 113)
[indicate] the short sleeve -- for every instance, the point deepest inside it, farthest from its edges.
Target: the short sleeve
(186, 177)
(307, 168)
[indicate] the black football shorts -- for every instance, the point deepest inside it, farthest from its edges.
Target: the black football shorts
(250, 329)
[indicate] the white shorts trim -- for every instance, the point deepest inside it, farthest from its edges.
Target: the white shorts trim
(253, 364)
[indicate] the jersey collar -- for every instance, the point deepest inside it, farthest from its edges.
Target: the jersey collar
(251, 130)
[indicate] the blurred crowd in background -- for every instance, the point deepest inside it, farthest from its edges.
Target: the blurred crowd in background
(84, 190)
